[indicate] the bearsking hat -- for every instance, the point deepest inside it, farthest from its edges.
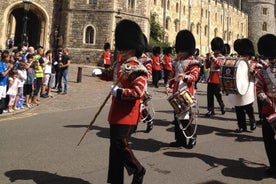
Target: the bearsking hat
(185, 42)
(128, 35)
(267, 46)
(236, 44)
(156, 50)
(106, 46)
(217, 44)
(245, 47)
(226, 49)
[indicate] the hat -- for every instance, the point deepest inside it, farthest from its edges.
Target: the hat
(236, 44)
(245, 47)
(217, 44)
(267, 46)
(106, 46)
(185, 42)
(128, 35)
(156, 50)
(226, 50)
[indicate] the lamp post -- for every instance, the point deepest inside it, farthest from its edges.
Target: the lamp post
(27, 5)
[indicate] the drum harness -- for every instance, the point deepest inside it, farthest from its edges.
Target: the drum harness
(192, 111)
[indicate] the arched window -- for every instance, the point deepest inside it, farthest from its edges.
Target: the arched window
(198, 28)
(176, 7)
(205, 30)
(89, 35)
(176, 25)
(167, 23)
(192, 27)
(131, 4)
(264, 26)
(162, 3)
(215, 32)
(155, 1)
(92, 1)
(184, 10)
(168, 5)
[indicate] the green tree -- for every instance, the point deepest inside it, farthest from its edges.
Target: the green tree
(157, 33)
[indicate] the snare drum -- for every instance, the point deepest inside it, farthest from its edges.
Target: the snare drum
(234, 76)
(181, 101)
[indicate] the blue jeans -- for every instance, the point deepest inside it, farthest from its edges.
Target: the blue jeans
(63, 74)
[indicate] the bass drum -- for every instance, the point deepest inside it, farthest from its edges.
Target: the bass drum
(234, 76)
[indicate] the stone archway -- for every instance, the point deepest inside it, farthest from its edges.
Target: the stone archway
(37, 22)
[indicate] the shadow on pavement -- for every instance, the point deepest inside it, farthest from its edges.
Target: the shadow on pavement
(241, 168)
(42, 177)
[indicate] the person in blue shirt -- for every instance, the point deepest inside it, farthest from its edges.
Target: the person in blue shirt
(5, 67)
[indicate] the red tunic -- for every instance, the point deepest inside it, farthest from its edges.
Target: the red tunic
(190, 68)
(214, 64)
(106, 57)
(126, 111)
(167, 62)
(156, 63)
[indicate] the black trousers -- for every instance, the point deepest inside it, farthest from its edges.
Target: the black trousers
(241, 116)
(213, 90)
(120, 154)
(269, 142)
(178, 133)
(156, 76)
(166, 75)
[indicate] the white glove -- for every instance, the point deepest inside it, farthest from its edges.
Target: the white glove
(114, 90)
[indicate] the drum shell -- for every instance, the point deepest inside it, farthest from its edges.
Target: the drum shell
(181, 101)
(234, 76)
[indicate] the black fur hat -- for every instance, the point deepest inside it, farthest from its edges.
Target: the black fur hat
(156, 50)
(227, 49)
(236, 44)
(217, 44)
(267, 46)
(245, 47)
(106, 46)
(128, 35)
(185, 42)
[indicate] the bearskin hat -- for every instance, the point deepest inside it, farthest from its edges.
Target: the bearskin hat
(106, 46)
(185, 42)
(169, 50)
(245, 47)
(217, 44)
(236, 44)
(128, 35)
(267, 46)
(226, 50)
(147, 47)
(156, 50)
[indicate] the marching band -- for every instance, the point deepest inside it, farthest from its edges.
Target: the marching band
(241, 76)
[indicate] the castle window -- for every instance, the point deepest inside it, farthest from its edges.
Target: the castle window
(167, 23)
(265, 11)
(131, 4)
(264, 26)
(89, 35)
(92, 1)
(205, 30)
(155, 2)
(192, 27)
(183, 10)
(168, 5)
(201, 13)
(198, 28)
(176, 25)
(176, 7)
(216, 32)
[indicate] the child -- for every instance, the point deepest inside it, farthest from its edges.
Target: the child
(13, 89)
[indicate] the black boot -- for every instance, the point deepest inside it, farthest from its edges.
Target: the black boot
(210, 114)
(252, 125)
(149, 126)
(138, 176)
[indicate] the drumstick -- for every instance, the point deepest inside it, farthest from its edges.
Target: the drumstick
(98, 112)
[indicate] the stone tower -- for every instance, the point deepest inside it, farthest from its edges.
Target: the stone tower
(261, 18)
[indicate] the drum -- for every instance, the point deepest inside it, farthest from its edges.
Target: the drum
(234, 76)
(181, 101)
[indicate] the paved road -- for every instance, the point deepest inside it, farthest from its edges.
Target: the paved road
(39, 145)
